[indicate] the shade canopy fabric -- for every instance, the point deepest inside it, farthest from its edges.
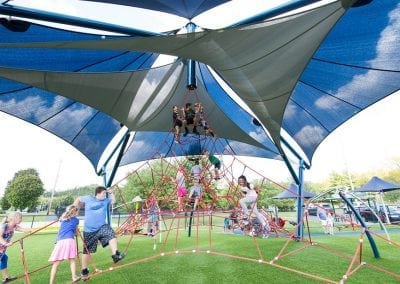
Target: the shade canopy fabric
(291, 192)
(376, 184)
(303, 74)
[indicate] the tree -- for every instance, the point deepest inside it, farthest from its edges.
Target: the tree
(151, 179)
(268, 191)
(24, 190)
(4, 204)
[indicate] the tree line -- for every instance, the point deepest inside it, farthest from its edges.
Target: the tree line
(26, 191)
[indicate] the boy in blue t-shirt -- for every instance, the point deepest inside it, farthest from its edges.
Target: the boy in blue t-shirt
(96, 228)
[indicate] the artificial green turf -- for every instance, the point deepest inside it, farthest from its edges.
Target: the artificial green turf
(215, 256)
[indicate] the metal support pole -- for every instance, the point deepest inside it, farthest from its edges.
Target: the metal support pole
(362, 223)
(300, 203)
(191, 73)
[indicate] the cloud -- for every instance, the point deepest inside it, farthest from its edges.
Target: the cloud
(363, 83)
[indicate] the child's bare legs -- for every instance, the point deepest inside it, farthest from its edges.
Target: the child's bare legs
(4, 273)
(177, 133)
(52, 272)
(154, 229)
(113, 246)
(180, 206)
(85, 261)
(72, 266)
(196, 202)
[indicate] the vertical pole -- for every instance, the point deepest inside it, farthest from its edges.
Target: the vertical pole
(190, 223)
(108, 216)
(191, 74)
(385, 211)
(107, 182)
(300, 209)
(54, 188)
(24, 264)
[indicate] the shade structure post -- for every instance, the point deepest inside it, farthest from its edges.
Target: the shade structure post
(300, 203)
(358, 217)
(191, 73)
(384, 208)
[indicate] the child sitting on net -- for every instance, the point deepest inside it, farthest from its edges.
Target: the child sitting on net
(189, 118)
(177, 123)
(201, 118)
(195, 193)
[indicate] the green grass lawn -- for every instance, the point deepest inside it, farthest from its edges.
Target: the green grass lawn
(211, 255)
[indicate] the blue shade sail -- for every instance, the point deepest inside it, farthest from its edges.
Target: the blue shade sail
(87, 129)
(155, 145)
(305, 73)
(357, 65)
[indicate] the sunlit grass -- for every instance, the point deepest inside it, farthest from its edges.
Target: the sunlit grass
(211, 255)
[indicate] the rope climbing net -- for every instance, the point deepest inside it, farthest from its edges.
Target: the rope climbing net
(217, 225)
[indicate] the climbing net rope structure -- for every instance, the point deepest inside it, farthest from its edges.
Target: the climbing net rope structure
(155, 221)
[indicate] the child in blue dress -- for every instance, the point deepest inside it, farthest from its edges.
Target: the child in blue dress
(66, 248)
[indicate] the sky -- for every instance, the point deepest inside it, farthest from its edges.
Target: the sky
(367, 142)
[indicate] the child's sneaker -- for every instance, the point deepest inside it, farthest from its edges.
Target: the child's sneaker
(9, 279)
(118, 256)
(85, 274)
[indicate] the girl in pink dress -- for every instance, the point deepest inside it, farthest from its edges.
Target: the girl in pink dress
(181, 190)
(66, 246)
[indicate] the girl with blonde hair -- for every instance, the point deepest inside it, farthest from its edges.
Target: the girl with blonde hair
(66, 248)
(9, 225)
